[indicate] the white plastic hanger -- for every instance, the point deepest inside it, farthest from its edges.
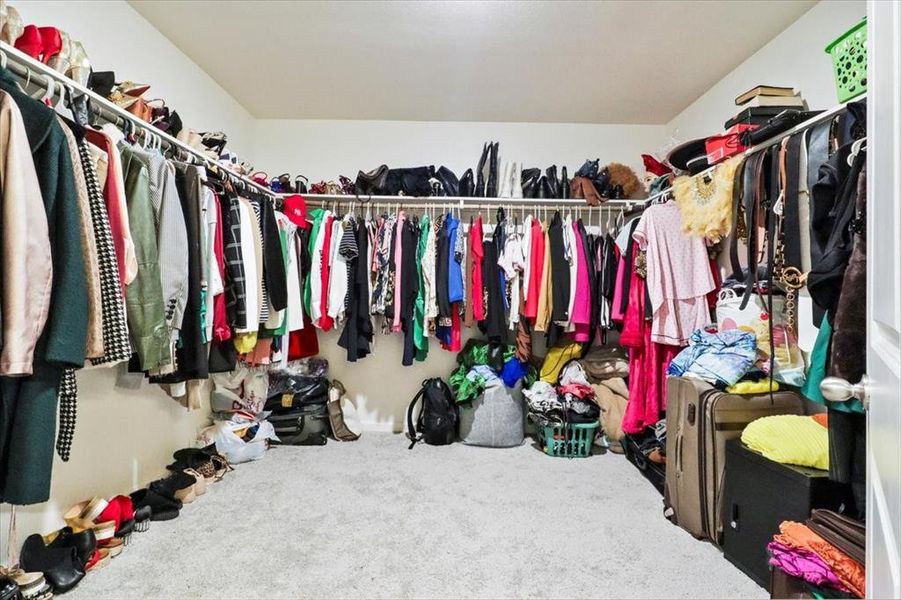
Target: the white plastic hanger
(856, 147)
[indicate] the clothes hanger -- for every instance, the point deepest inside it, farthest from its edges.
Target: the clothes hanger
(48, 91)
(856, 148)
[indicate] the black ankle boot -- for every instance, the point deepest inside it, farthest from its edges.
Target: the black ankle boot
(564, 184)
(449, 181)
(529, 179)
(552, 181)
(467, 187)
(491, 186)
(480, 172)
(544, 188)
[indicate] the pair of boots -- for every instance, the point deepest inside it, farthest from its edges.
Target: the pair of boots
(511, 181)
(536, 185)
(486, 173)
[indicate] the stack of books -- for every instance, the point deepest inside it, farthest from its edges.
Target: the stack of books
(763, 102)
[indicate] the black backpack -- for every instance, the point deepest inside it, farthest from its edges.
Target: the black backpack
(437, 422)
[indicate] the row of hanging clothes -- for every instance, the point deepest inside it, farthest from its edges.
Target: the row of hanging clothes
(431, 275)
(115, 251)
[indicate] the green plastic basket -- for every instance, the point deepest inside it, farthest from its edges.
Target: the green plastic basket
(849, 61)
(568, 440)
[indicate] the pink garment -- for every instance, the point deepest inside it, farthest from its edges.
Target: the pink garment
(398, 230)
(581, 313)
(221, 329)
(678, 275)
(648, 362)
(802, 563)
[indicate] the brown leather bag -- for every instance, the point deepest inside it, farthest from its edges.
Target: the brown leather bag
(582, 187)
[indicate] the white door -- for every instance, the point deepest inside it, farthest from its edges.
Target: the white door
(884, 300)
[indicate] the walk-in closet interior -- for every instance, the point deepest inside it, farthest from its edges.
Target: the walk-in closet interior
(451, 299)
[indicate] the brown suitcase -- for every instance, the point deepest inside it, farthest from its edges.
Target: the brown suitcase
(699, 420)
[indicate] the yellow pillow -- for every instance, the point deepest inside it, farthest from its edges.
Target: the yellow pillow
(789, 439)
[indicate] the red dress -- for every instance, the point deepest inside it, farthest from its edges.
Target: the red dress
(648, 361)
(536, 265)
(477, 289)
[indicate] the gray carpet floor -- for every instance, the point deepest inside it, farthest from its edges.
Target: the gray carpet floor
(371, 519)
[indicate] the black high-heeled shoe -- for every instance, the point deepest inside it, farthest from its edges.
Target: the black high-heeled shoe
(480, 172)
(552, 181)
(529, 179)
(491, 185)
(449, 181)
(466, 187)
(565, 191)
(61, 566)
(544, 188)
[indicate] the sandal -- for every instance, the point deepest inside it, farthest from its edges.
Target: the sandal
(33, 585)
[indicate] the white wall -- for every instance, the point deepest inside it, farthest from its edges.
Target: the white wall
(119, 39)
(325, 149)
(124, 438)
(795, 58)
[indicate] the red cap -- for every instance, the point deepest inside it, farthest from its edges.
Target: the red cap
(654, 166)
(296, 210)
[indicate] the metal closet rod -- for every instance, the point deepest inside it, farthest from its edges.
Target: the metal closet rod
(34, 71)
(826, 114)
(466, 201)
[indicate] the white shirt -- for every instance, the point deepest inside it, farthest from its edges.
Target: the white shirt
(337, 283)
(251, 277)
(316, 272)
(428, 274)
(295, 294)
(512, 262)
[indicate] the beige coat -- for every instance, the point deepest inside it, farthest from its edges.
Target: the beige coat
(26, 269)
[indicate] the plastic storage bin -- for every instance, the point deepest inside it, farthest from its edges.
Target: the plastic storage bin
(849, 61)
(572, 440)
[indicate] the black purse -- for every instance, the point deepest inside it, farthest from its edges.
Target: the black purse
(781, 122)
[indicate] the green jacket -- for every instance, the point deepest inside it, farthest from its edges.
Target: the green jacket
(28, 405)
(144, 295)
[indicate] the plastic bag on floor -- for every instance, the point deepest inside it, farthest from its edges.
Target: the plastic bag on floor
(234, 447)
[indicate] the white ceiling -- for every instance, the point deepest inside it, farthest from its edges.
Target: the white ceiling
(528, 61)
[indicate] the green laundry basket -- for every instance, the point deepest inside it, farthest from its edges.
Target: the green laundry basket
(571, 440)
(849, 61)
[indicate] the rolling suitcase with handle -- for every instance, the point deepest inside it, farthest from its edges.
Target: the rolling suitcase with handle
(699, 420)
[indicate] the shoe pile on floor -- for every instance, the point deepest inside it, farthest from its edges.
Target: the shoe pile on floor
(98, 530)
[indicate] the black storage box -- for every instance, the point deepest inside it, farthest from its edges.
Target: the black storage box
(758, 494)
(653, 472)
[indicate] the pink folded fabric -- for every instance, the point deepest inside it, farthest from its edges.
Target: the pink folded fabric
(804, 564)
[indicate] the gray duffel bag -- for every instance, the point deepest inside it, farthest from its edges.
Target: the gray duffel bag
(494, 419)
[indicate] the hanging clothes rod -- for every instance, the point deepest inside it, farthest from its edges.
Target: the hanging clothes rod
(35, 72)
(466, 201)
(826, 114)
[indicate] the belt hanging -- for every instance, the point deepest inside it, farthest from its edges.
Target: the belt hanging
(739, 230)
(753, 191)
